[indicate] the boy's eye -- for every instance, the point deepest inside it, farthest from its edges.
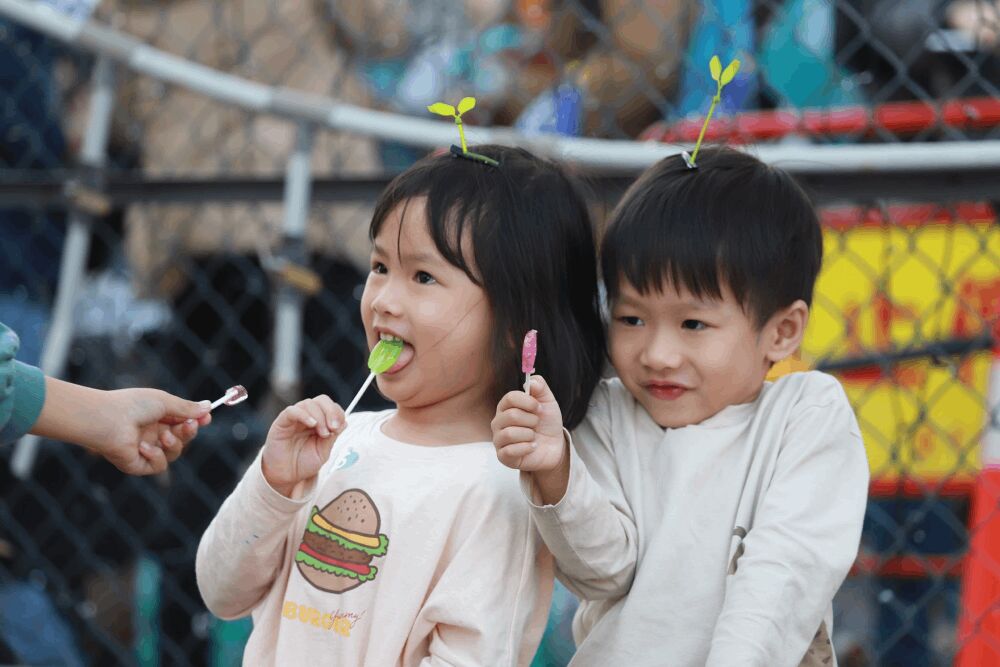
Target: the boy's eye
(425, 278)
(693, 325)
(379, 267)
(630, 320)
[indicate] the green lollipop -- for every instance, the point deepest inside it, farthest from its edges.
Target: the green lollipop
(384, 355)
(381, 359)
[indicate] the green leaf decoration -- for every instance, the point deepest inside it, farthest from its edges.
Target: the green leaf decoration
(442, 109)
(716, 68)
(721, 78)
(467, 104)
(731, 70)
(384, 355)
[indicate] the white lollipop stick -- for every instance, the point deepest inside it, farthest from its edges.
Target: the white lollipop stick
(357, 397)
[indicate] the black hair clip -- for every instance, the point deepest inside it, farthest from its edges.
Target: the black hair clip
(475, 157)
(467, 104)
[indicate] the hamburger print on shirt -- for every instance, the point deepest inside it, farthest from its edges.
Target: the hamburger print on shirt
(340, 541)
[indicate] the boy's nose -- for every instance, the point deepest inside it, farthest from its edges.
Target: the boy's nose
(659, 354)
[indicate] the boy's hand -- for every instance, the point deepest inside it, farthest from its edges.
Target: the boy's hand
(300, 441)
(528, 430)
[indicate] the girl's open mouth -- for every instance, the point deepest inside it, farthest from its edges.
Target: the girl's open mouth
(405, 357)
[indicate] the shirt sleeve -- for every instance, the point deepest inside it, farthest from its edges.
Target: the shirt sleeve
(242, 550)
(803, 542)
(491, 603)
(22, 390)
(591, 531)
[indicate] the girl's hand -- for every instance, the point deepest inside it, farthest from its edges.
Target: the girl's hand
(299, 442)
(528, 430)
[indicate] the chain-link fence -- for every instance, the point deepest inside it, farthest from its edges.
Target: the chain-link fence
(201, 246)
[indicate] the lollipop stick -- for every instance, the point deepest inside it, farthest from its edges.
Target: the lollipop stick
(357, 397)
(219, 402)
(527, 383)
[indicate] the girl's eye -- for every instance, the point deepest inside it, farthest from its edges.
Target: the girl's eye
(630, 320)
(379, 267)
(425, 278)
(693, 325)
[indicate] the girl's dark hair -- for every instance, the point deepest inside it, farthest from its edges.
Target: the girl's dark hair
(734, 220)
(533, 253)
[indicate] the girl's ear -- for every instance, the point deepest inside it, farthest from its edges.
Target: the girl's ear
(783, 332)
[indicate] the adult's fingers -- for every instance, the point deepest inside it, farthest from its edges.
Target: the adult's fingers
(156, 460)
(175, 407)
(171, 445)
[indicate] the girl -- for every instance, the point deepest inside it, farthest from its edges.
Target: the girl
(406, 542)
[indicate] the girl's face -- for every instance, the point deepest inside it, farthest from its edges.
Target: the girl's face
(443, 318)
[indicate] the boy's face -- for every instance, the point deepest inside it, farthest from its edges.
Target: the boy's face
(685, 358)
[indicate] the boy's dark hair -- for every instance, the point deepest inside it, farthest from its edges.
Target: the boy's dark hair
(732, 221)
(532, 252)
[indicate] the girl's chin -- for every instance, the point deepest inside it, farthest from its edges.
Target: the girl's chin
(393, 387)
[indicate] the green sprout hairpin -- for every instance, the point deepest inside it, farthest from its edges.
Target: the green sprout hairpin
(721, 78)
(467, 104)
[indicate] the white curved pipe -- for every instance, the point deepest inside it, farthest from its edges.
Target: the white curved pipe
(606, 155)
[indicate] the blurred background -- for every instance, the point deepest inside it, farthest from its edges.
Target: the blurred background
(174, 213)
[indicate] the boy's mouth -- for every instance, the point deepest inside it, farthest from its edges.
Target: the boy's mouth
(665, 391)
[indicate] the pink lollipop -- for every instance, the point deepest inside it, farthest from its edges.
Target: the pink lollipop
(234, 395)
(528, 352)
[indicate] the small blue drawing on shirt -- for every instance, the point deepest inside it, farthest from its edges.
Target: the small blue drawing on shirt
(349, 458)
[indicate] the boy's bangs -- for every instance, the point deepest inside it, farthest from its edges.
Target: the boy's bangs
(734, 223)
(652, 245)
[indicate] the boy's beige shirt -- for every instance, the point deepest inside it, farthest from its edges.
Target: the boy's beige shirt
(721, 543)
(464, 580)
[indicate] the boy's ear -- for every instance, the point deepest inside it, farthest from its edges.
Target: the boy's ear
(783, 333)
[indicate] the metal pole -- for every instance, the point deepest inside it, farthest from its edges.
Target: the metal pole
(285, 377)
(74, 256)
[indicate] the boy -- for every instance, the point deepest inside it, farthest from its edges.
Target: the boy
(703, 515)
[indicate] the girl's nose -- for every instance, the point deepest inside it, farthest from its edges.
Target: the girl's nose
(387, 302)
